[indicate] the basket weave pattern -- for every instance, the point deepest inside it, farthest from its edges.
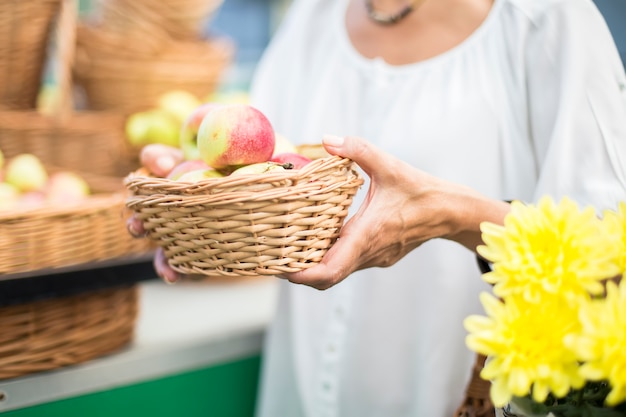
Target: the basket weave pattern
(264, 224)
(25, 27)
(62, 331)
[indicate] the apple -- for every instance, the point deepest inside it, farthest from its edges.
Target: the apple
(9, 196)
(187, 166)
(261, 168)
(32, 199)
(152, 126)
(66, 187)
(283, 145)
(178, 103)
(235, 134)
(189, 130)
(296, 159)
(26, 172)
(199, 175)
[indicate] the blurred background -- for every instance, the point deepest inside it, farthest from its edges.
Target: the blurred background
(86, 328)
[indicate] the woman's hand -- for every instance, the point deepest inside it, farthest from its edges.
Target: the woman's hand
(159, 160)
(404, 207)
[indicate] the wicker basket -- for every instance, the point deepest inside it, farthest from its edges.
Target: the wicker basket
(87, 141)
(127, 75)
(24, 34)
(52, 236)
(49, 334)
(246, 225)
(166, 19)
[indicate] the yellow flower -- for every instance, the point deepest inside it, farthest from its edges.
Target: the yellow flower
(524, 343)
(615, 222)
(602, 342)
(548, 248)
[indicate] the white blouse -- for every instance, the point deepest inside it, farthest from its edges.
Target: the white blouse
(532, 103)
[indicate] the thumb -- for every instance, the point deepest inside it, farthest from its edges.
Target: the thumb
(365, 154)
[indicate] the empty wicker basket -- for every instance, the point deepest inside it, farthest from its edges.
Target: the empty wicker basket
(49, 334)
(246, 225)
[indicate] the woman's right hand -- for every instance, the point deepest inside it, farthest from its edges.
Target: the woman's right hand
(159, 160)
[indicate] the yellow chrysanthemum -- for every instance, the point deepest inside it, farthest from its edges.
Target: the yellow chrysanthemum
(615, 222)
(602, 343)
(548, 248)
(524, 344)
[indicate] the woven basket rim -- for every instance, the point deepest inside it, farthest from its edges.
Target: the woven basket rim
(274, 185)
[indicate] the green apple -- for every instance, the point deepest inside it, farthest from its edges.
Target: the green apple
(9, 196)
(189, 131)
(199, 175)
(26, 172)
(261, 168)
(152, 126)
(179, 103)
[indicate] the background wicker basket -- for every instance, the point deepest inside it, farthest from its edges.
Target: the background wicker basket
(127, 75)
(165, 19)
(24, 35)
(48, 334)
(246, 225)
(53, 236)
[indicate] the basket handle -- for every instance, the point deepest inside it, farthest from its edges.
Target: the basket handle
(65, 37)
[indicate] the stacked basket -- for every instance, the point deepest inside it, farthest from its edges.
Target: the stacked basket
(137, 50)
(59, 331)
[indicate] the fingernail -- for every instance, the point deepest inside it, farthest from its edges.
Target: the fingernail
(165, 163)
(133, 230)
(332, 140)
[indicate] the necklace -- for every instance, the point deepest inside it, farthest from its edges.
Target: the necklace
(389, 19)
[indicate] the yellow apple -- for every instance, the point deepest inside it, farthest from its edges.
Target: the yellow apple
(26, 172)
(199, 175)
(283, 145)
(261, 168)
(179, 103)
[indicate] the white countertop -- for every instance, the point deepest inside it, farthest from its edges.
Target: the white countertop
(180, 327)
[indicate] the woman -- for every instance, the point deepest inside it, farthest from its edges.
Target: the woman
(483, 101)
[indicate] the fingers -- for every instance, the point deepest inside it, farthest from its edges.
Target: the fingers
(339, 262)
(135, 227)
(162, 268)
(366, 155)
(160, 159)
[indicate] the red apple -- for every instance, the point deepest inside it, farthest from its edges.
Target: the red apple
(187, 166)
(189, 130)
(66, 187)
(296, 159)
(235, 135)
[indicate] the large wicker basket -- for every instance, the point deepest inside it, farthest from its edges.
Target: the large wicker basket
(25, 27)
(165, 19)
(53, 236)
(61, 331)
(247, 225)
(126, 75)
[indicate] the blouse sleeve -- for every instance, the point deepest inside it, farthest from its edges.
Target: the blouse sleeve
(577, 105)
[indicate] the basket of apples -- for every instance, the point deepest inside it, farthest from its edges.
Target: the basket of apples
(241, 204)
(54, 217)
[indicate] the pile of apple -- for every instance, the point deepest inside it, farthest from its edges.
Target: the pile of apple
(25, 183)
(162, 123)
(232, 139)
